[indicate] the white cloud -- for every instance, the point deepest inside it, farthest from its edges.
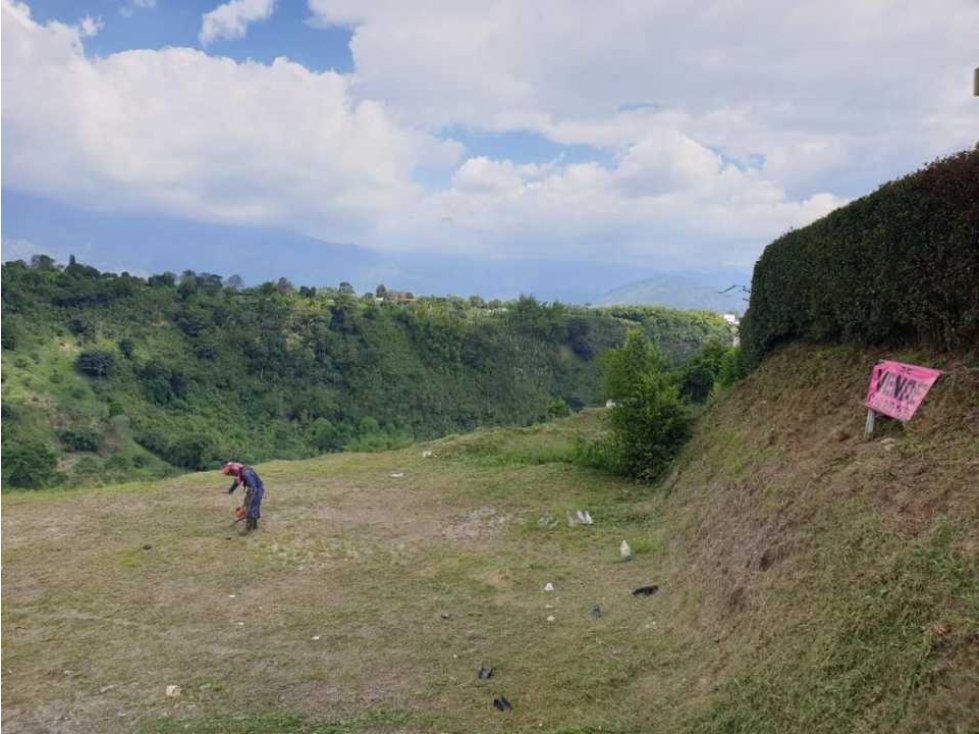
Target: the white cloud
(89, 26)
(817, 88)
(722, 124)
(184, 133)
(129, 9)
(230, 20)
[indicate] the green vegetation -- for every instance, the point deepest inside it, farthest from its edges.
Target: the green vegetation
(898, 267)
(111, 377)
(810, 582)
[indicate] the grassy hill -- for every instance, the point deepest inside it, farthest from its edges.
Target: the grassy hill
(809, 581)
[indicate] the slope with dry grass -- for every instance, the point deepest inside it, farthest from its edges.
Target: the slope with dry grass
(809, 581)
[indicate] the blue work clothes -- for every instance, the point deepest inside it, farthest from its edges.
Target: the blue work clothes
(254, 491)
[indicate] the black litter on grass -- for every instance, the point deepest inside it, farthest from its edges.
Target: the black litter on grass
(501, 704)
(645, 591)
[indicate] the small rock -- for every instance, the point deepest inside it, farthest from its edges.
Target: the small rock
(147, 546)
(173, 691)
(596, 612)
(445, 615)
(501, 704)
(550, 618)
(548, 586)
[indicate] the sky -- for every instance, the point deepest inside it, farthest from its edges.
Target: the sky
(611, 139)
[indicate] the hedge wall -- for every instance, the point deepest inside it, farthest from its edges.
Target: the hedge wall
(898, 266)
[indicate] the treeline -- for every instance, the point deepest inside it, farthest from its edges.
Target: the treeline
(111, 376)
(900, 266)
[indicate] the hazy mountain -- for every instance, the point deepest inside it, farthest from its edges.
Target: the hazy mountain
(700, 291)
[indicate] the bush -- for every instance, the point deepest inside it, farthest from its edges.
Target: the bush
(698, 375)
(96, 363)
(30, 464)
(898, 266)
(81, 439)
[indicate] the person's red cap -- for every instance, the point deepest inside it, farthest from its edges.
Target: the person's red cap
(232, 467)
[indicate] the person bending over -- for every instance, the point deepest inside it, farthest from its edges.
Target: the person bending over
(254, 491)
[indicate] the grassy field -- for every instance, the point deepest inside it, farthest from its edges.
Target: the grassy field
(809, 582)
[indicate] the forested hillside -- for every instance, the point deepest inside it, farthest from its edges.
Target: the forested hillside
(109, 376)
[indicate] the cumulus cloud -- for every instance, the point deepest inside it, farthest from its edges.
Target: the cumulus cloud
(188, 134)
(230, 20)
(721, 124)
(816, 88)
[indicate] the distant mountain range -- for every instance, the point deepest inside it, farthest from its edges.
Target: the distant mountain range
(145, 244)
(683, 291)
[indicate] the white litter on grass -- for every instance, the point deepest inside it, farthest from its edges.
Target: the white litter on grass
(173, 691)
(397, 474)
(241, 624)
(625, 551)
(550, 618)
(548, 606)
(427, 454)
(231, 596)
(316, 637)
(548, 586)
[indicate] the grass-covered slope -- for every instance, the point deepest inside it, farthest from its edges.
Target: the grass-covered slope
(808, 582)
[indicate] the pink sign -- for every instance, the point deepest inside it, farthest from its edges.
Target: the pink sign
(897, 389)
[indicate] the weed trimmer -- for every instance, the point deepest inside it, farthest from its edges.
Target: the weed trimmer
(240, 515)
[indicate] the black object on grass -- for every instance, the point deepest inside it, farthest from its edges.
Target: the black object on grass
(645, 591)
(501, 704)
(484, 673)
(596, 611)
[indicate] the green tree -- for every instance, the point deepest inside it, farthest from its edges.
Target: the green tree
(649, 423)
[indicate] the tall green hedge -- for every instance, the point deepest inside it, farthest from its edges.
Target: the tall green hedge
(900, 266)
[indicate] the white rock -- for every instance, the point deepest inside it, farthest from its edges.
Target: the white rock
(173, 691)
(550, 618)
(548, 586)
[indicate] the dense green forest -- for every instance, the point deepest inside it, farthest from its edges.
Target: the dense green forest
(109, 376)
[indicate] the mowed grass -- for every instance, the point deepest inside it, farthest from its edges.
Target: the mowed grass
(809, 582)
(366, 602)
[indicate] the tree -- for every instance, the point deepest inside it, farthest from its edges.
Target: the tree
(346, 288)
(381, 291)
(649, 422)
(234, 282)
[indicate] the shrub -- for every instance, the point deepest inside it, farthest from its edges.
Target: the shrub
(81, 439)
(30, 464)
(96, 363)
(898, 266)
(698, 375)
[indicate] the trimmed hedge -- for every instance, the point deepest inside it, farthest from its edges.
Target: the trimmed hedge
(900, 266)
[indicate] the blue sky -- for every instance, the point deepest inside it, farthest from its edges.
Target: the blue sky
(510, 139)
